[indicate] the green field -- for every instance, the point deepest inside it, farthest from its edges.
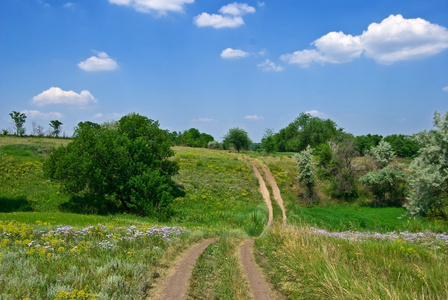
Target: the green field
(49, 250)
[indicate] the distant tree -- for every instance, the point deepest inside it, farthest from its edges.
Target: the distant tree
(214, 145)
(38, 130)
(237, 138)
(365, 142)
(123, 169)
(56, 125)
(268, 141)
(306, 130)
(5, 132)
(194, 138)
(429, 172)
(18, 120)
(403, 146)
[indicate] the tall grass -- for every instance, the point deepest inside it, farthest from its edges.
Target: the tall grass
(306, 265)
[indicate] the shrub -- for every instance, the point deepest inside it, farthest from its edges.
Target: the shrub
(306, 173)
(123, 167)
(429, 175)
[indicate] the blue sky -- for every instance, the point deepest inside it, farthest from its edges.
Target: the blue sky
(377, 67)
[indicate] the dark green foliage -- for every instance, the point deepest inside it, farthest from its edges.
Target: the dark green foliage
(238, 138)
(365, 142)
(18, 119)
(403, 145)
(306, 130)
(56, 125)
(125, 168)
(192, 138)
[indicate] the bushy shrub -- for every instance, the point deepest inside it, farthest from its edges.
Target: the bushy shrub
(429, 172)
(388, 185)
(214, 145)
(123, 167)
(306, 173)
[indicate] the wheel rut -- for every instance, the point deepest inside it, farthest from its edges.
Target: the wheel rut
(175, 285)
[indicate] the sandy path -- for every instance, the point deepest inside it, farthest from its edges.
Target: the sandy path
(257, 283)
(275, 190)
(175, 285)
(265, 192)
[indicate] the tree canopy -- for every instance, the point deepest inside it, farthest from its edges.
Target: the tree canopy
(124, 167)
(18, 119)
(305, 131)
(237, 138)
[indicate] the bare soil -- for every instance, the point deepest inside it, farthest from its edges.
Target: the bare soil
(275, 190)
(265, 193)
(175, 285)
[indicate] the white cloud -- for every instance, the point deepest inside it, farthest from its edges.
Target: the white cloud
(35, 114)
(55, 95)
(101, 62)
(218, 21)
(316, 113)
(230, 53)
(230, 16)
(261, 4)
(204, 120)
(269, 66)
(98, 115)
(253, 117)
(394, 39)
(236, 9)
(69, 5)
(445, 89)
(161, 7)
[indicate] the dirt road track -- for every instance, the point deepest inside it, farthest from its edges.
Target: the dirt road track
(175, 286)
(257, 283)
(275, 190)
(265, 192)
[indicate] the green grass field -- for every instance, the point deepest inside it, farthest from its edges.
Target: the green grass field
(48, 251)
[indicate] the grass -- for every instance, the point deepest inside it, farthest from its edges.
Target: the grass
(306, 265)
(111, 261)
(217, 274)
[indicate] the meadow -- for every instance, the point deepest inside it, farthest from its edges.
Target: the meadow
(49, 250)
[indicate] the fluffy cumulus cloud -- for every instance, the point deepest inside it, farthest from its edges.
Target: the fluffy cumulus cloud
(394, 39)
(253, 117)
(230, 16)
(397, 38)
(160, 7)
(100, 62)
(55, 95)
(35, 114)
(269, 66)
(230, 53)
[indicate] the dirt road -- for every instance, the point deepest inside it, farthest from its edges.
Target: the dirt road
(175, 286)
(275, 190)
(265, 193)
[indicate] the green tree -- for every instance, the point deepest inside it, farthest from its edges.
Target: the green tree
(382, 154)
(305, 131)
(56, 125)
(125, 168)
(307, 175)
(268, 141)
(18, 119)
(429, 172)
(403, 146)
(365, 142)
(343, 180)
(237, 138)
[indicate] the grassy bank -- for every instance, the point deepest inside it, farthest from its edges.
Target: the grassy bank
(303, 264)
